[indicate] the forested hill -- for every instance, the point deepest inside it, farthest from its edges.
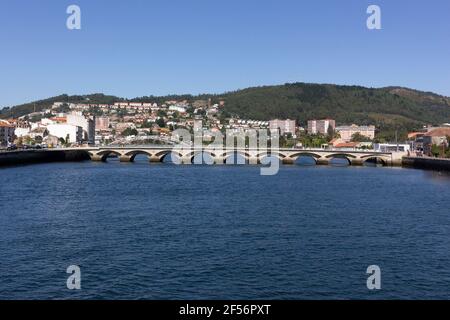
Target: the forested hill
(385, 107)
(388, 108)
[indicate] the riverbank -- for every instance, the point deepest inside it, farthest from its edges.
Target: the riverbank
(20, 157)
(426, 163)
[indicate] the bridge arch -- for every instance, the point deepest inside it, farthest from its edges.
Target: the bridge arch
(229, 153)
(334, 159)
(305, 160)
(341, 155)
(163, 155)
(103, 155)
(134, 153)
(306, 154)
(263, 155)
(236, 157)
(193, 154)
(376, 160)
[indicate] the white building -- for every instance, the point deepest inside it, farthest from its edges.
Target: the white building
(73, 133)
(22, 132)
(86, 123)
(391, 147)
(177, 108)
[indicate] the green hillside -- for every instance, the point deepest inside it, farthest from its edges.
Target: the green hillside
(346, 104)
(390, 109)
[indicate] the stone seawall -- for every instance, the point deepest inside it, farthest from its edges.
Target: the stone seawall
(427, 163)
(41, 156)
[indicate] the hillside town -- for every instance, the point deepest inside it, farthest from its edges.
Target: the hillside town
(124, 123)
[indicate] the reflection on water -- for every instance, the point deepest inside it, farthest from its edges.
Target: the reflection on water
(437, 176)
(305, 161)
(339, 162)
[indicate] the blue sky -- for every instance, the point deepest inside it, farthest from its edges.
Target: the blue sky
(135, 48)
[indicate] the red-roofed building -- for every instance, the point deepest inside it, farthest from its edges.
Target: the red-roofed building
(437, 136)
(59, 119)
(347, 145)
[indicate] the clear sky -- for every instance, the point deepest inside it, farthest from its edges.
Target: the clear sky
(134, 48)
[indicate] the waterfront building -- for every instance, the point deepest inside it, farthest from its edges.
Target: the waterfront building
(74, 134)
(324, 126)
(391, 147)
(50, 140)
(6, 132)
(86, 123)
(436, 136)
(416, 140)
(38, 132)
(347, 132)
(22, 131)
(285, 126)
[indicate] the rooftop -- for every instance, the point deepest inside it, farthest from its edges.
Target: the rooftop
(438, 132)
(5, 124)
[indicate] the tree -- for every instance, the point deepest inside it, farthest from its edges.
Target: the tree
(65, 142)
(313, 141)
(161, 123)
(357, 137)
(130, 132)
(331, 132)
(436, 150)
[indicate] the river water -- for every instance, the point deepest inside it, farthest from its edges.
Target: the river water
(146, 231)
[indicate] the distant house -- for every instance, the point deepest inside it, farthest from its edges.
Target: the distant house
(347, 132)
(347, 145)
(436, 136)
(38, 132)
(339, 143)
(51, 140)
(334, 142)
(177, 108)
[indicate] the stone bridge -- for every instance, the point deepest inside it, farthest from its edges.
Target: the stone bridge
(252, 156)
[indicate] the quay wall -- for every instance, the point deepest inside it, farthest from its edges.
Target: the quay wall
(21, 157)
(426, 163)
